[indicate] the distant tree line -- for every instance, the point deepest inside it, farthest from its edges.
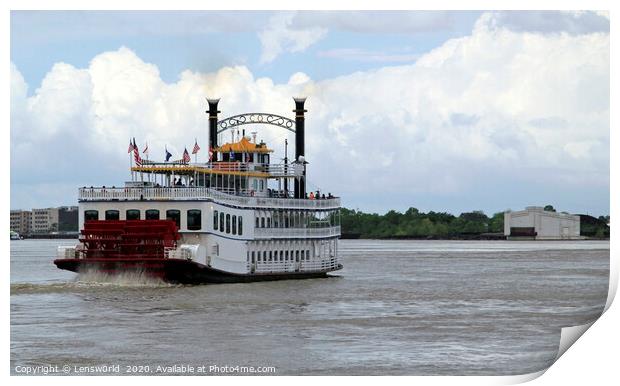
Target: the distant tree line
(441, 225)
(594, 227)
(416, 224)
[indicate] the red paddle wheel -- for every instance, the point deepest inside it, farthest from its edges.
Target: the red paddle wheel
(143, 239)
(116, 246)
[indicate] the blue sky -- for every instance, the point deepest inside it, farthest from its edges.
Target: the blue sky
(444, 111)
(41, 38)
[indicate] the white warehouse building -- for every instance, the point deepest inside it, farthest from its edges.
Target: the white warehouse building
(536, 223)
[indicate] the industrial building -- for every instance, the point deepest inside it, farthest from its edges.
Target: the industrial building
(538, 224)
(44, 221)
(21, 221)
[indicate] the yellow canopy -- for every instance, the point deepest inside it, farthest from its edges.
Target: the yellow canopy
(243, 146)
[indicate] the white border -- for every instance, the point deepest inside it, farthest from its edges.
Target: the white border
(593, 360)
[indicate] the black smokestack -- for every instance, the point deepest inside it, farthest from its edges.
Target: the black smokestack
(213, 122)
(300, 184)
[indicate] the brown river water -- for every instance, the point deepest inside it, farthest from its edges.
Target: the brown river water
(397, 308)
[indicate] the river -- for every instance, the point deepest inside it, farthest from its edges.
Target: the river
(397, 308)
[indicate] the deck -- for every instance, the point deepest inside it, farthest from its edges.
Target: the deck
(190, 193)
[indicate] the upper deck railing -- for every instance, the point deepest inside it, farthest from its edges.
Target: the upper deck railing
(198, 194)
(270, 170)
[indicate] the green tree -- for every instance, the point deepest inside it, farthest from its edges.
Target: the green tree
(496, 223)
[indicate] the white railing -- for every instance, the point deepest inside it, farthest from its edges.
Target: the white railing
(67, 252)
(145, 193)
(200, 193)
(274, 170)
(314, 265)
(272, 202)
(297, 232)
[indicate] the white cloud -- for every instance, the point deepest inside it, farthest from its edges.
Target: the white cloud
(381, 22)
(572, 22)
(281, 36)
(362, 55)
(494, 108)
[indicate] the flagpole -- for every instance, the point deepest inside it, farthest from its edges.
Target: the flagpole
(131, 166)
(147, 159)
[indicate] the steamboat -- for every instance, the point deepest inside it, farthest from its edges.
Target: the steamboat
(236, 218)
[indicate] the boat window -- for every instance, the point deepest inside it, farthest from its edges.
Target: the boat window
(112, 214)
(215, 214)
(253, 257)
(240, 226)
(227, 223)
(91, 215)
(262, 186)
(221, 222)
(174, 214)
(262, 222)
(151, 214)
(268, 222)
(132, 214)
(194, 219)
(302, 255)
(257, 222)
(234, 225)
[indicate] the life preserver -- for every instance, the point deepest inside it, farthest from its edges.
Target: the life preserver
(252, 193)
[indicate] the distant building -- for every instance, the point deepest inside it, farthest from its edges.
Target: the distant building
(21, 221)
(536, 223)
(45, 220)
(68, 219)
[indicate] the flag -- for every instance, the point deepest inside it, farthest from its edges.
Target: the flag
(136, 154)
(146, 149)
(210, 153)
(186, 156)
(168, 155)
(130, 149)
(136, 157)
(196, 147)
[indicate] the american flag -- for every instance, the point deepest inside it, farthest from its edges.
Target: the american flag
(186, 156)
(146, 149)
(210, 153)
(130, 149)
(136, 154)
(196, 147)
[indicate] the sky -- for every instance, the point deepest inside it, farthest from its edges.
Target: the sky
(438, 110)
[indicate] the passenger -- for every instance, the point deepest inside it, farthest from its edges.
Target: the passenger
(323, 196)
(311, 195)
(317, 195)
